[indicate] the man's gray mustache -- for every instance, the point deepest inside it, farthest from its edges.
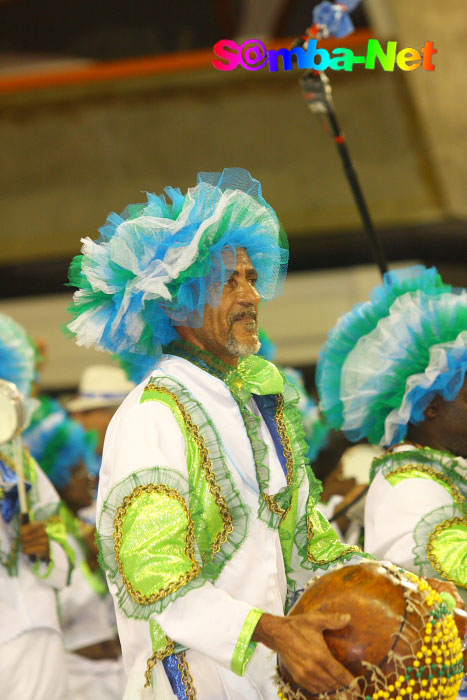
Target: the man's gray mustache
(241, 315)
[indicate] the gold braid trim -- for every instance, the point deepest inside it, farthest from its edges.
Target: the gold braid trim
(440, 476)
(285, 440)
(186, 677)
(445, 525)
(310, 557)
(152, 661)
(288, 454)
(182, 580)
(273, 506)
(206, 464)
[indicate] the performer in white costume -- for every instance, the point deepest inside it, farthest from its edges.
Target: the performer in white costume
(65, 451)
(206, 509)
(32, 658)
(394, 371)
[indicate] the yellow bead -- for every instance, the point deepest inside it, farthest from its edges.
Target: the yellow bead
(416, 663)
(391, 688)
(424, 682)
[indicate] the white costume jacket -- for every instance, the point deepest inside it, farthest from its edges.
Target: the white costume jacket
(416, 512)
(206, 518)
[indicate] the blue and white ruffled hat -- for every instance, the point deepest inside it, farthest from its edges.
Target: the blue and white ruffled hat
(386, 360)
(158, 264)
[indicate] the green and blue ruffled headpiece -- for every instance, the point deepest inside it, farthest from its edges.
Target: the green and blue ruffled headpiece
(58, 443)
(159, 263)
(387, 359)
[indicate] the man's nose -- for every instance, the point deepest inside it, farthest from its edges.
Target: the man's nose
(248, 294)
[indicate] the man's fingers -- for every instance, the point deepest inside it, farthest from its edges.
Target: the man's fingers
(333, 621)
(340, 674)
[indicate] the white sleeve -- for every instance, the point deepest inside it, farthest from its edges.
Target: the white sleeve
(393, 512)
(207, 618)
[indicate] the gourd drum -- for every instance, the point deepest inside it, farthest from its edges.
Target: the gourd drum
(401, 643)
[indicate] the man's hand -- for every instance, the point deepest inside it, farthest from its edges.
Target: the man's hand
(299, 641)
(34, 540)
(93, 551)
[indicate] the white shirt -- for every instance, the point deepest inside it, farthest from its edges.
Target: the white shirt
(208, 620)
(27, 602)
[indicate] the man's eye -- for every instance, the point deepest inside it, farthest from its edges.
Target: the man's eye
(253, 281)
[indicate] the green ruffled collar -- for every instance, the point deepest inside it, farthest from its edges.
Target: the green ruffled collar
(253, 374)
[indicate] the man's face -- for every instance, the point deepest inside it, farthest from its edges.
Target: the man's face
(230, 330)
(449, 418)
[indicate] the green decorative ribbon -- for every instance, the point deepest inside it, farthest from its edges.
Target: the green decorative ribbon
(74, 527)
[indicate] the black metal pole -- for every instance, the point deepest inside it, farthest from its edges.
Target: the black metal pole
(317, 92)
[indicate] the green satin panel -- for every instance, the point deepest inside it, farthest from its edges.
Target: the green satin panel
(159, 639)
(447, 551)
(415, 473)
(324, 546)
(287, 531)
(154, 542)
(203, 507)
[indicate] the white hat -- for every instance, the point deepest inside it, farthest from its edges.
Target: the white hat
(100, 386)
(356, 461)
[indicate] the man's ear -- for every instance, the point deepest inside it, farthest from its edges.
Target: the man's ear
(431, 410)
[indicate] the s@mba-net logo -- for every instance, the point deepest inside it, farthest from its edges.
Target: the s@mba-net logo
(253, 55)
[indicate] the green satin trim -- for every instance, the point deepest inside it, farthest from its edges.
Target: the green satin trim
(419, 473)
(451, 470)
(245, 648)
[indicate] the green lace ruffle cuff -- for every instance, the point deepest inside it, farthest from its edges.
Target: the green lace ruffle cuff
(245, 648)
(319, 545)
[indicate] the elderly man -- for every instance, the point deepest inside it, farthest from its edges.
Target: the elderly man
(207, 522)
(394, 371)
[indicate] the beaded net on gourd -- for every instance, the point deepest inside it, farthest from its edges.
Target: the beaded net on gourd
(425, 661)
